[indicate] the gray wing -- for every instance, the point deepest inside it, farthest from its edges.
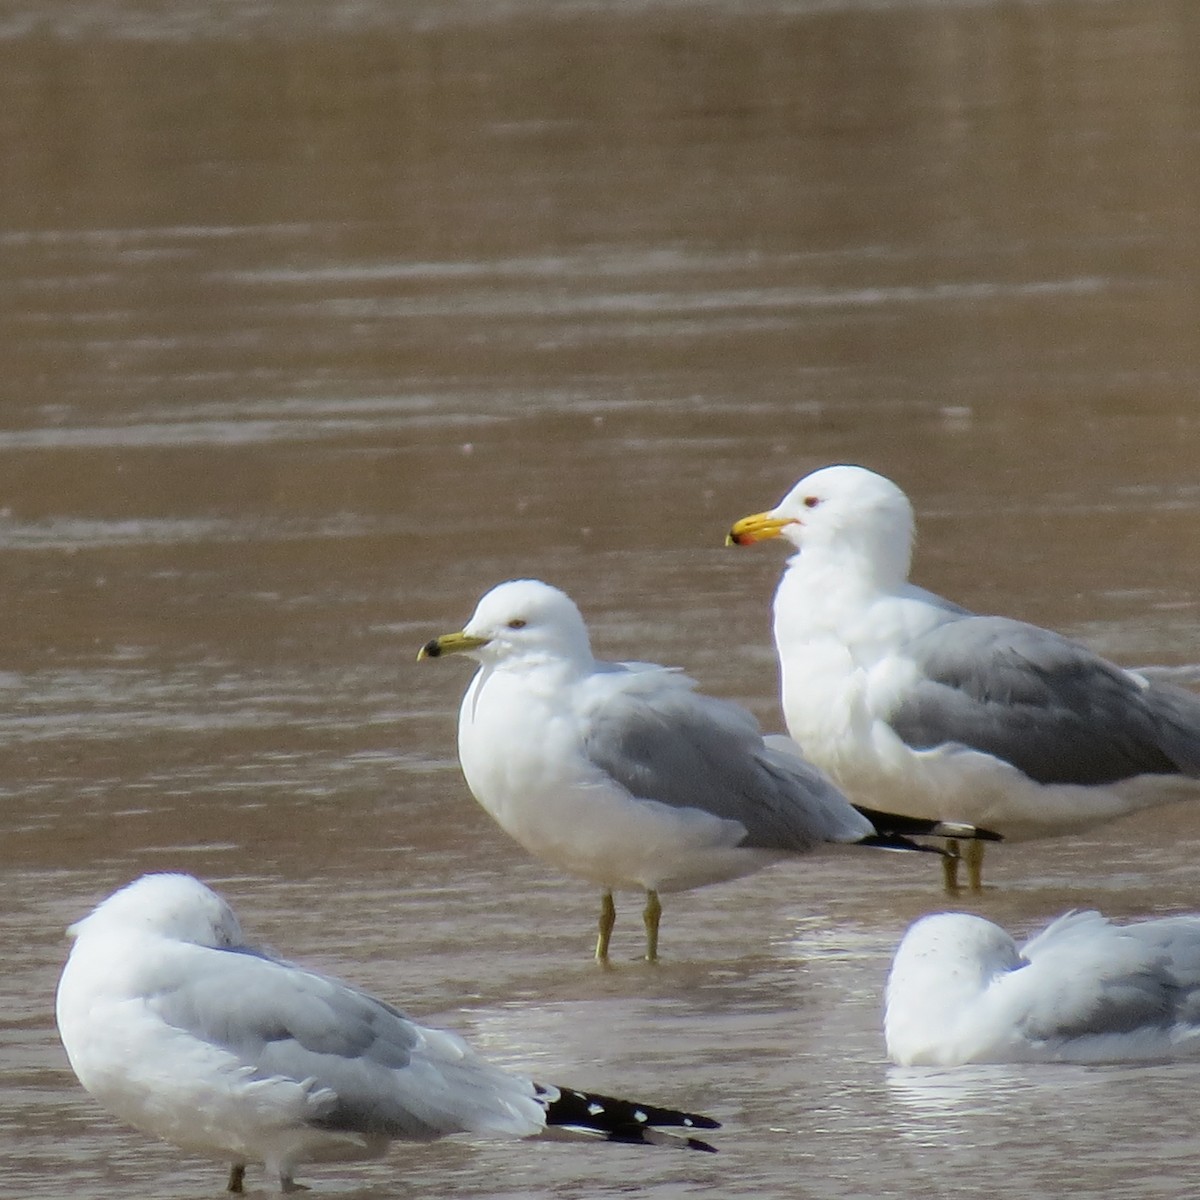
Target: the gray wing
(1085, 976)
(1049, 706)
(284, 1021)
(1176, 940)
(660, 740)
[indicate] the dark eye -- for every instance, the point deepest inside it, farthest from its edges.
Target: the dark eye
(811, 501)
(517, 623)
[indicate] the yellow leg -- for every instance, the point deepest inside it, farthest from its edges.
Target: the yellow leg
(950, 866)
(651, 915)
(237, 1177)
(608, 918)
(975, 849)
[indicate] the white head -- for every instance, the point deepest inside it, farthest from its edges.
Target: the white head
(841, 512)
(177, 907)
(955, 946)
(943, 969)
(523, 620)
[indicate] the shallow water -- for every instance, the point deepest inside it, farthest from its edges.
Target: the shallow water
(319, 321)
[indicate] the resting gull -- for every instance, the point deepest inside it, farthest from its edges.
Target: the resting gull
(1083, 990)
(913, 703)
(622, 773)
(179, 1027)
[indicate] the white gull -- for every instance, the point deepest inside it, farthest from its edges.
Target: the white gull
(625, 775)
(178, 1026)
(1083, 990)
(919, 706)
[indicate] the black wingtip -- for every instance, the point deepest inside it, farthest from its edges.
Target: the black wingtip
(894, 841)
(986, 835)
(659, 1137)
(897, 823)
(624, 1121)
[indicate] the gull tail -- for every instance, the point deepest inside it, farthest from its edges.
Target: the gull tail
(590, 1115)
(889, 824)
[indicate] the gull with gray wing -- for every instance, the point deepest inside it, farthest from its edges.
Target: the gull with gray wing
(624, 774)
(1083, 990)
(175, 1024)
(922, 707)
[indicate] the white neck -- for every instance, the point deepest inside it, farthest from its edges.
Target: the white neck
(823, 589)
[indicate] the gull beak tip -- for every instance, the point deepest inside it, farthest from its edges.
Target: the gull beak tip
(757, 528)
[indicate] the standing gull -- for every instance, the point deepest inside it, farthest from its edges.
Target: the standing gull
(621, 772)
(176, 1025)
(916, 704)
(1083, 990)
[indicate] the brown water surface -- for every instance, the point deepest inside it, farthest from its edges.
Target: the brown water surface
(318, 320)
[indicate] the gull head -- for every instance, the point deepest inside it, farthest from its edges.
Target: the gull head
(954, 945)
(523, 620)
(839, 509)
(934, 1008)
(177, 907)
